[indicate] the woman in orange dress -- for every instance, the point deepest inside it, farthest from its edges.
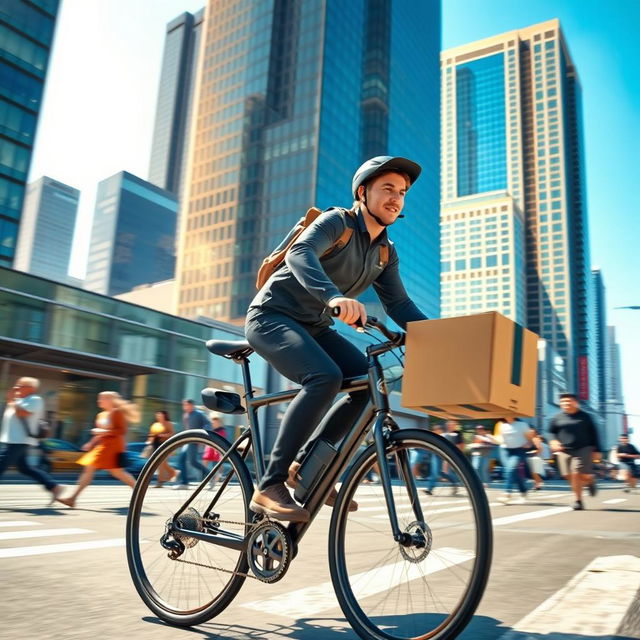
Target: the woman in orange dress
(108, 443)
(159, 431)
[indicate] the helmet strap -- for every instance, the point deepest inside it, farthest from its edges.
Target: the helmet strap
(373, 215)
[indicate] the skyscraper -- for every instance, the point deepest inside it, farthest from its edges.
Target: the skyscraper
(26, 34)
(599, 320)
(46, 229)
(615, 412)
(513, 177)
(171, 132)
(132, 238)
(292, 97)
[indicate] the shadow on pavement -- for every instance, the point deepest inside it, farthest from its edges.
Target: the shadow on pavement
(480, 628)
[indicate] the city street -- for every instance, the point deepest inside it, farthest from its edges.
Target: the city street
(64, 573)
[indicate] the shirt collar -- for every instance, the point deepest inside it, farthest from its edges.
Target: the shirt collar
(362, 227)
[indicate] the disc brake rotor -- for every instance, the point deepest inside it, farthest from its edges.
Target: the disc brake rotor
(423, 541)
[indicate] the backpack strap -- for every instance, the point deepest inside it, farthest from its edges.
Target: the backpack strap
(345, 236)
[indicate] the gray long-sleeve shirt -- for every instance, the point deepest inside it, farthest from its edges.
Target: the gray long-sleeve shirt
(304, 285)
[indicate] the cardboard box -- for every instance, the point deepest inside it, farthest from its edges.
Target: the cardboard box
(478, 366)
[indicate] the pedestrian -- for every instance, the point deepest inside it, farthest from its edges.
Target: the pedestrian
(192, 418)
(576, 446)
(210, 454)
(482, 449)
(536, 457)
(161, 430)
(22, 412)
(289, 321)
(627, 455)
(515, 436)
(107, 447)
(439, 469)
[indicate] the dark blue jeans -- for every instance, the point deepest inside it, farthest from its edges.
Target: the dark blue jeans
(17, 454)
(317, 358)
(437, 473)
(190, 456)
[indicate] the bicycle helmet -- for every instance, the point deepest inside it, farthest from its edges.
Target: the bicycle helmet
(383, 164)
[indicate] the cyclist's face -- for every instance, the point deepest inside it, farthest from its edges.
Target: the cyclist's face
(385, 196)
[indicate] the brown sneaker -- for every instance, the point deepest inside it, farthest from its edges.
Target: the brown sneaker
(276, 501)
(292, 481)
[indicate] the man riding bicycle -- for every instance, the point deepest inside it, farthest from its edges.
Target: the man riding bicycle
(289, 321)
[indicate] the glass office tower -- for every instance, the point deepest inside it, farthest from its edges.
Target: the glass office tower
(513, 209)
(46, 229)
(132, 237)
(171, 132)
(26, 34)
(292, 98)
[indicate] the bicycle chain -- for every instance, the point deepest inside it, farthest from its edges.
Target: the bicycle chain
(208, 566)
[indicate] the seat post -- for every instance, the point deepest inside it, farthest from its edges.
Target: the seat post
(252, 416)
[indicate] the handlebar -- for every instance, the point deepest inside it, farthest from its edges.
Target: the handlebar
(373, 322)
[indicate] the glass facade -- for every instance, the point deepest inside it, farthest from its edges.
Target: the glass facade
(133, 233)
(26, 34)
(167, 167)
(537, 104)
(46, 229)
(88, 343)
(481, 129)
(285, 119)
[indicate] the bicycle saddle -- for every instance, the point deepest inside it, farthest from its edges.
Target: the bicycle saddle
(234, 349)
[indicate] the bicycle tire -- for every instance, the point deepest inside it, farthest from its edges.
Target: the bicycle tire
(391, 594)
(186, 592)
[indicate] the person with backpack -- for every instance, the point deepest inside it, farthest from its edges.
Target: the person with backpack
(18, 431)
(289, 322)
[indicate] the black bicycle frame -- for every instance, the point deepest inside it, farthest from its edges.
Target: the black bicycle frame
(377, 410)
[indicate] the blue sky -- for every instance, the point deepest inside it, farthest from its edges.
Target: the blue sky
(99, 106)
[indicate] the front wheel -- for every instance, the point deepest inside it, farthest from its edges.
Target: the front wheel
(184, 580)
(430, 584)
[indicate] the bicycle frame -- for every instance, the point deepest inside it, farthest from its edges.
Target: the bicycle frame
(376, 411)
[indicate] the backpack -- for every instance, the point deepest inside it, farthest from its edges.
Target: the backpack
(275, 259)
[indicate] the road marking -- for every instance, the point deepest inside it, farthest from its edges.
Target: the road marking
(614, 501)
(59, 548)
(19, 523)
(584, 607)
(311, 601)
(530, 515)
(41, 533)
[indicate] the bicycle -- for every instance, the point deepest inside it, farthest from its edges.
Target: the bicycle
(406, 564)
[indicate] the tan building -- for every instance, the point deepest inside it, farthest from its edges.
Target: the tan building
(513, 211)
(282, 120)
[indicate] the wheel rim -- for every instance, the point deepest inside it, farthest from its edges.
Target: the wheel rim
(391, 591)
(204, 573)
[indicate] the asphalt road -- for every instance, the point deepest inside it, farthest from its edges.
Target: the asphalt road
(557, 574)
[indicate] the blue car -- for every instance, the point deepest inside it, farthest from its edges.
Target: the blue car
(134, 461)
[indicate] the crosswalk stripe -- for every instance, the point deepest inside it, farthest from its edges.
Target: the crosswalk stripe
(19, 523)
(529, 515)
(584, 607)
(59, 548)
(313, 600)
(41, 533)
(614, 501)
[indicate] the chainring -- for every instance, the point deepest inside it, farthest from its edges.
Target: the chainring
(269, 551)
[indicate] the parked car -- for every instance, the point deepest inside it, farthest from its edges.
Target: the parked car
(134, 461)
(60, 455)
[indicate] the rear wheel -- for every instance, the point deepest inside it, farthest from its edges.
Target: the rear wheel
(183, 580)
(430, 584)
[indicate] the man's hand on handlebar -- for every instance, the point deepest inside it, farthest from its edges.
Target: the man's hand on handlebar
(350, 311)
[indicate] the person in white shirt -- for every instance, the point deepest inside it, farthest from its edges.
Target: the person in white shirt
(20, 420)
(515, 436)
